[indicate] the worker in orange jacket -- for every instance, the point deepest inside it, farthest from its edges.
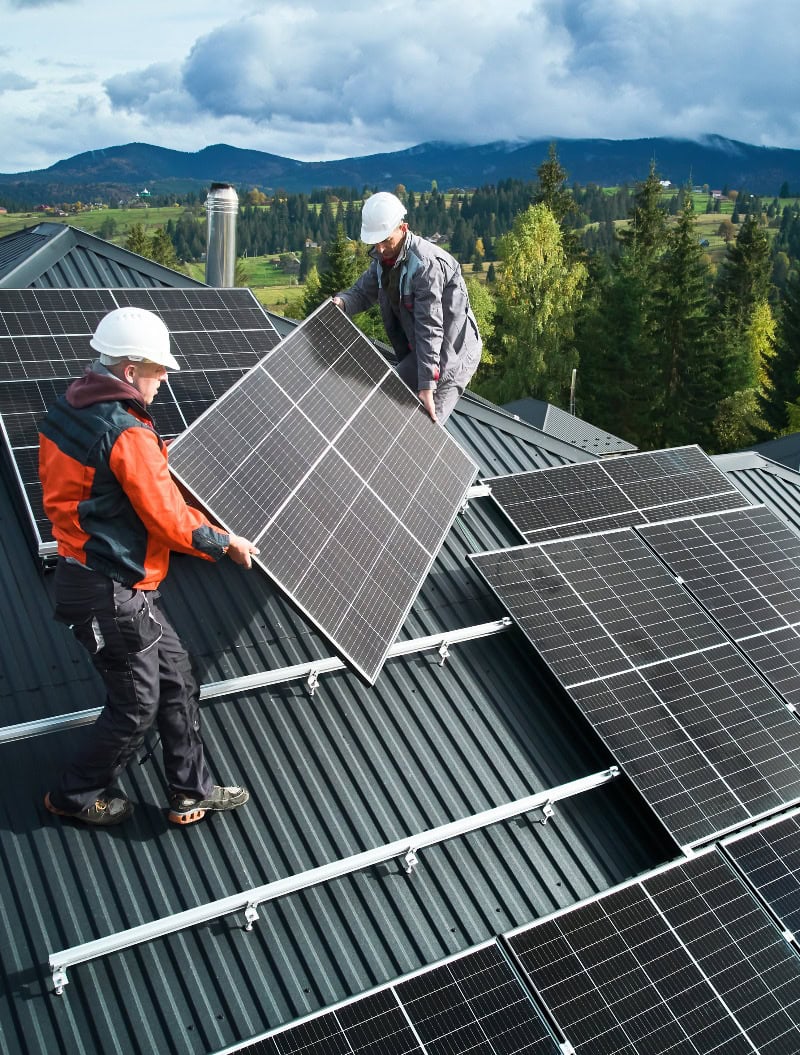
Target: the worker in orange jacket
(116, 515)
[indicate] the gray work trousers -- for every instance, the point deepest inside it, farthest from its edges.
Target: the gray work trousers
(148, 679)
(449, 388)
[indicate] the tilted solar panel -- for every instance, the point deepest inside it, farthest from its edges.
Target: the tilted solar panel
(322, 456)
(216, 335)
(685, 961)
(615, 492)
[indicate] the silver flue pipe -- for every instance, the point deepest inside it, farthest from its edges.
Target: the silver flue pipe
(222, 208)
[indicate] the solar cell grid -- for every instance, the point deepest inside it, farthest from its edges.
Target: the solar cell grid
(597, 605)
(473, 1005)
(615, 492)
(705, 740)
(743, 566)
(44, 343)
(684, 961)
(769, 858)
(326, 460)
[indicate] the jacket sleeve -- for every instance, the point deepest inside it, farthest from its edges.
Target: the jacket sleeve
(363, 293)
(428, 290)
(139, 463)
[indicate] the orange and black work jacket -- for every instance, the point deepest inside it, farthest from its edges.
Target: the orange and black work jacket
(107, 490)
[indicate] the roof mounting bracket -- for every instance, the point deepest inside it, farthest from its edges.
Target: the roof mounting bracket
(251, 914)
(312, 681)
(59, 979)
(444, 652)
(547, 811)
(411, 860)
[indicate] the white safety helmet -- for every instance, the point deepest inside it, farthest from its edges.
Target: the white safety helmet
(382, 212)
(135, 334)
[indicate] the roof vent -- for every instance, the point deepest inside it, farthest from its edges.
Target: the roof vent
(222, 207)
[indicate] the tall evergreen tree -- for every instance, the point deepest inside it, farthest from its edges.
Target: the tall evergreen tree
(621, 368)
(683, 341)
(784, 367)
(537, 295)
(550, 191)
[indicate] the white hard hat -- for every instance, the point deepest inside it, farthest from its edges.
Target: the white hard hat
(382, 212)
(133, 333)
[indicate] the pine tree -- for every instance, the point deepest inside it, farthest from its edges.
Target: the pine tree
(784, 367)
(682, 338)
(137, 241)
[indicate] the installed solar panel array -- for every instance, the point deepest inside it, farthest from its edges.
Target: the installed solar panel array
(324, 457)
(595, 496)
(472, 1004)
(685, 961)
(650, 658)
(744, 568)
(706, 740)
(44, 343)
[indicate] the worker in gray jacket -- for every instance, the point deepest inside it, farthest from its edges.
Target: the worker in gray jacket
(424, 305)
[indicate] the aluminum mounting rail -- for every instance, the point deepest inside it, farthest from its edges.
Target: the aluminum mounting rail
(249, 682)
(248, 901)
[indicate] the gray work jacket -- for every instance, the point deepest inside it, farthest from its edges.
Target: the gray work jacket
(432, 318)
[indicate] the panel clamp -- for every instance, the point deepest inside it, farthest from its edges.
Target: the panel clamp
(547, 812)
(251, 914)
(59, 979)
(444, 652)
(411, 860)
(312, 681)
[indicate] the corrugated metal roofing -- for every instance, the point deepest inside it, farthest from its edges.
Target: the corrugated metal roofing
(331, 774)
(557, 422)
(57, 256)
(764, 481)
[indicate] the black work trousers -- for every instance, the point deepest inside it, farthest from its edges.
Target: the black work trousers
(148, 678)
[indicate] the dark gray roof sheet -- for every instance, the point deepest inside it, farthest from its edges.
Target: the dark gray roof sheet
(330, 774)
(557, 422)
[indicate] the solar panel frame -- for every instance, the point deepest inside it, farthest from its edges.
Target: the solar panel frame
(44, 344)
(326, 460)
(683, 960)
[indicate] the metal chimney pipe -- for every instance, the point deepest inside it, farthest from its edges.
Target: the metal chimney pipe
(222, 208)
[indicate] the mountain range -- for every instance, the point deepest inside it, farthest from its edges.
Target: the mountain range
(715, 160)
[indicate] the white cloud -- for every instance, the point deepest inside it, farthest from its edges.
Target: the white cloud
(316, 80)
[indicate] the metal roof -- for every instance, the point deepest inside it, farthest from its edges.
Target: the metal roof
(57, 256)
(557, 422)
(331, 774)
(762, 480)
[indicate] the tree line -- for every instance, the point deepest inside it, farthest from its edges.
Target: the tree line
(666, 348)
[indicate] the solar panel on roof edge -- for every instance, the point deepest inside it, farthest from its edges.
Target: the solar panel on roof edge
(681, 960)
(59, 324)
(600, 495)
(312, 512)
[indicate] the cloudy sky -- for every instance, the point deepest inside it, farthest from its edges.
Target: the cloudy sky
(318, 80)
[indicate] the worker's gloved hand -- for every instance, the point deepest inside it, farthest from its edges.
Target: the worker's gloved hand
(241, 550)
(338, 302)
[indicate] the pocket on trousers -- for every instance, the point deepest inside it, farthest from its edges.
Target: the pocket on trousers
(89, 634)
(135, 621)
